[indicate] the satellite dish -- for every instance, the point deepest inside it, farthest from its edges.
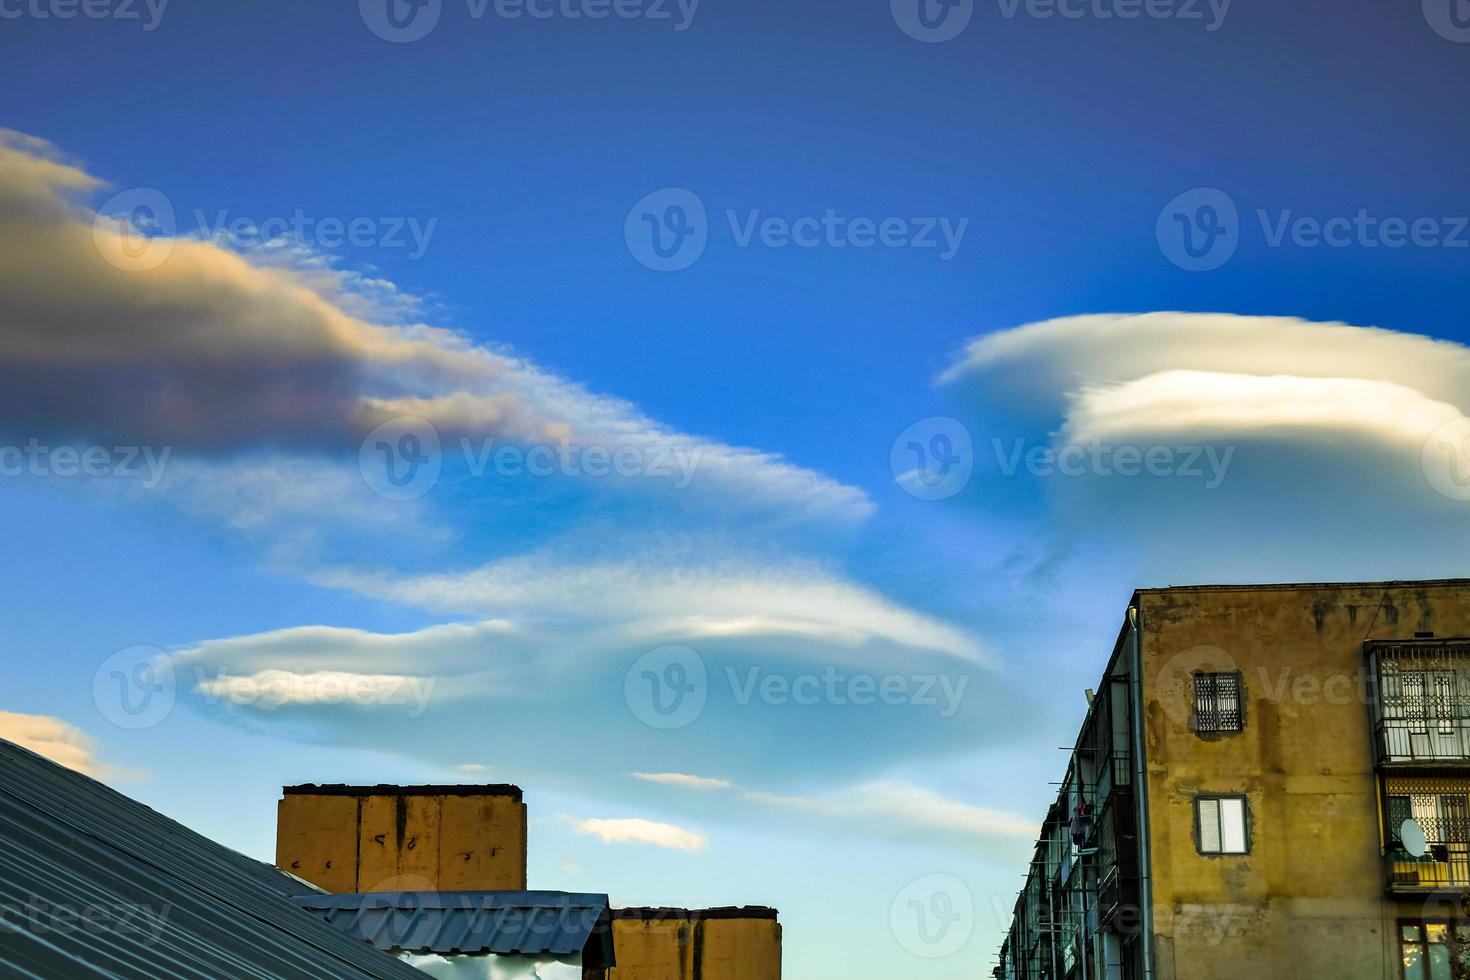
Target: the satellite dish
(1413, 838)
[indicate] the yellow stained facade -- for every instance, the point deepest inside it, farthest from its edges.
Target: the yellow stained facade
(1314, 894)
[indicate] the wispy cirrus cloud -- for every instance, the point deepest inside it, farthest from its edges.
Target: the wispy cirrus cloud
(681, 779)
(669, 597)
(887, 808)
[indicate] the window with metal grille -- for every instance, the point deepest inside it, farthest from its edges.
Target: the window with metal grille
(1217, 706)
(1221, 824)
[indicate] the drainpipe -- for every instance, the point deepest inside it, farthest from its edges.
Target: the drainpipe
(1140, 782)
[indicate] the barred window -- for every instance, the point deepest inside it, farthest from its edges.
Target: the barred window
(1217, 702)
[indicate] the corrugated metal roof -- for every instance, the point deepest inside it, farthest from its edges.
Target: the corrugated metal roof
(94, 884)
(524, 923)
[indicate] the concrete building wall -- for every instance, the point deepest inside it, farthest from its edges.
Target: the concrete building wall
(1308, 899)
(374, 838)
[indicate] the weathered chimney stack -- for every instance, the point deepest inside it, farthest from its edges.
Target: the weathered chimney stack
(403, 838)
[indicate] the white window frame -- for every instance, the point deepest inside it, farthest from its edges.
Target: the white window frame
(1222, 825)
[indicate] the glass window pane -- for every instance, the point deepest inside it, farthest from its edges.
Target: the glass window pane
(1413, 961)
(1399, 810)
(1439, 963)
(1411, 932)
(1232, 826)
(1209, 826)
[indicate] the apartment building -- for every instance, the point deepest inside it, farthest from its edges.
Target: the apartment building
(1269, 781)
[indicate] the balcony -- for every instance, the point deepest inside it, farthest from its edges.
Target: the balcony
(1441, 809)
(1421, 714)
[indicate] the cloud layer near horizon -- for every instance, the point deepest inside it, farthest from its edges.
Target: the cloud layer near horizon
(61, 742)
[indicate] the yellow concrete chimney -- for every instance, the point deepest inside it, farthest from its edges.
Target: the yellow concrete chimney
(698, 944)
(403, 838)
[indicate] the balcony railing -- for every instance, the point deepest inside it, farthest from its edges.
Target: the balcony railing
(1422, 709)
(1436, 740)
(1445, 866)
(1439, 808)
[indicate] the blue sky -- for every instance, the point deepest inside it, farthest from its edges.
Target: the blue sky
(499, 170)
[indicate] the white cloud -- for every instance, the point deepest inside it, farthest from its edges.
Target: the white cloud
(662, 600)
(266, 689)
(1214, 405)
(62, 743)
(636, 830)
(273, 347)
(450, 648)
(682, 779)
(895, 808)
(1044, 361)
(1334, 471)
